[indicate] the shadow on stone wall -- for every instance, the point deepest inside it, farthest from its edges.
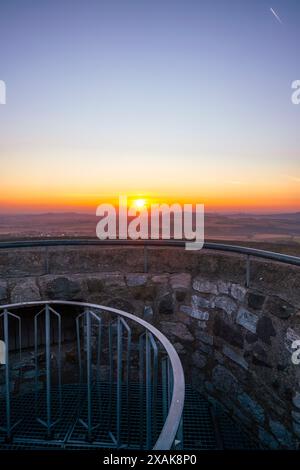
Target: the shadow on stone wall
(234, 342)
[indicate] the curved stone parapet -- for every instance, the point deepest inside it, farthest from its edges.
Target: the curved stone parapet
(235, 340)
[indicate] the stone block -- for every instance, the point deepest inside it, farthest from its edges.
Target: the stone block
(252, 407)
(25, 290)
(223, 287)
(204, 286)
(267, 440)
(265, 329)
(199, 360)
(63, 288)
(227, 332)
(225, 303)
(180, 295)
(205, 338)
(194, 312)
(238, 292)
(202, 302)
(290, 337)
(255, 300)
(205, 348)
(247, 319)
(296, 400)
(260, 357)
(219, 357)
(179, 330)
(134, 280)
(235, 357)
(296, 416)
(282, 434)
(296, 429)
(166, 306)
(225, 381)
(160, 279)
(279, 308)
(148, 313)
(180, 281)
(3, 291)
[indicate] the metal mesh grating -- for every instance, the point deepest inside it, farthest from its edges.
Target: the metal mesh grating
(202, 429)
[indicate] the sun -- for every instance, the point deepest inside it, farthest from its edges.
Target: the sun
(140, 203)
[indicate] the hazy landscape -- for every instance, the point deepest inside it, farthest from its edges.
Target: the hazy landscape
(269, 231)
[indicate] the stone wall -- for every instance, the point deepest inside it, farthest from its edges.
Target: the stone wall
(234, 342)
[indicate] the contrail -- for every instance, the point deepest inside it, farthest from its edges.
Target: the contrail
(276, 16)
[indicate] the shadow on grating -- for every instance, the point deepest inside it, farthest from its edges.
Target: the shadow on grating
(207, 428)
(203, 428)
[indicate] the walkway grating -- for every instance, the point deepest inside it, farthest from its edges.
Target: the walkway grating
(203, 428)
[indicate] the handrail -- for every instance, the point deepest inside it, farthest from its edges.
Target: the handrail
(270, 255)
(171, 425)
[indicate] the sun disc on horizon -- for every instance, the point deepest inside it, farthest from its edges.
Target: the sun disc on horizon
(140, 203)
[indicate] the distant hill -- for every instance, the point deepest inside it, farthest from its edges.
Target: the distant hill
(271, 228)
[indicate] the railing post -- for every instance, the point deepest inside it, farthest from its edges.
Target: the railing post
(148, 394)
(141, 386)
(48, 369)
(47, 260)
(111, 370)
(119, 379)
(247, 270)
(164, 380)
(145, 259)
(7, 382)
(88, 372)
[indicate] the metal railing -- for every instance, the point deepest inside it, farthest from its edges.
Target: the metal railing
(249, 253)
(129, 388)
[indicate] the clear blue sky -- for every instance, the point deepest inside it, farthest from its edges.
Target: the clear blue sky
(151, 97)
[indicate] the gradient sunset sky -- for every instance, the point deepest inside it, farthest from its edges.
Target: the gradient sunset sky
(172, 100)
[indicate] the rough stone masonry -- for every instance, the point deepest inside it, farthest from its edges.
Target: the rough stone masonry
(234, 342)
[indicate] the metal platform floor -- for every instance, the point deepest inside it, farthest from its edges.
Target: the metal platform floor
(204, 427)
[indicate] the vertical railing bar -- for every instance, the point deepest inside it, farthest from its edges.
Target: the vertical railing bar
(20, 339)
(247, 270)
(58, 359)
(7, 384)
(98, 375)
(119, 378)
(88, 368)
(178, 445)
(36, 351)
(127, 380)
(36, 364)
(59, 366)
(79, 358)
(111, 360)
(148, 393)
(46, 260)
(164, 388)
(155, 382)
(48, 369)
(145, 259)
(170, 382)
(141, 386)
(128, 359)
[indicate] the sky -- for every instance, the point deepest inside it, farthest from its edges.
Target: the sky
(172, 100)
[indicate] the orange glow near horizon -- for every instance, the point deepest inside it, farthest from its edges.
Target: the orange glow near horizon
(240, 198)
(42, 190)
